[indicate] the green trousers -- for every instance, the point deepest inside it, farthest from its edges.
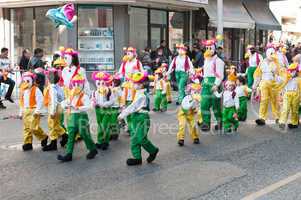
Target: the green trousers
(62, 120)
(114, 126)
(250, 75)
(79, 123)
(243, 108)
(139, 135)
(160, 100)
(209, 100)
(129, 119)
(103, 119)
(181, 78)
(228, 120)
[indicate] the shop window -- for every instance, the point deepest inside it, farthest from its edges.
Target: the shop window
(96, 38)
(176, 29)
(138, 28)
(158, 27)
(48, 37)
(22, 29)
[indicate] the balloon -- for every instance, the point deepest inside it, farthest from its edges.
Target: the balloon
(62, 16)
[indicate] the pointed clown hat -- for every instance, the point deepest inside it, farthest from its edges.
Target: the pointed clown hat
(139, 77)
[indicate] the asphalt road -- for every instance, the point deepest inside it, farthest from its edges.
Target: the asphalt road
(221, 167)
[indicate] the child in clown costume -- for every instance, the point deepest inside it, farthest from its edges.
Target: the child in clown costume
(78, 122)
(138, 110)
(182, 66)
(31, 102)
(53, 96)
(102, 102)
(213, 75)
(72, 68)
(266, 78)
(116, 97)
(291, 98)
(160, 88)
(164, 67)
(128, 94)
(254, 59)
(187, 113)
(230, 105)
(242, 93)
(130, 64)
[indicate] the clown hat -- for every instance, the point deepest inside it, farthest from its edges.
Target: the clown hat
(131, 49)
(78, 79)
(139, 77)
(195, 87)
(108, 79)
(181, 46)
(292, 67)
(97, 76)
(159, 70)
(60, 62)
(70, 51)
(210, 42)
(232, 77)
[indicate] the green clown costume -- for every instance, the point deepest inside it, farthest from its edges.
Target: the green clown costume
(254, 60)
(182, 66)
(242, 92)
(160, 99)
(230, 107)
(78, 122)
(140, 118)
(213, 73)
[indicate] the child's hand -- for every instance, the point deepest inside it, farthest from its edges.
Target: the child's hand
(235, 116)
(119, 118)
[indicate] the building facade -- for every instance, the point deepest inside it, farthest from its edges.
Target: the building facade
(104, 27)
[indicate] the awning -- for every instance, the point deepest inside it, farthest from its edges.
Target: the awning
(263, 17)
(185, 4)
(235, 15)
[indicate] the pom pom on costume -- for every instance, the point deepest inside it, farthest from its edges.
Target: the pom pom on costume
(139, 77)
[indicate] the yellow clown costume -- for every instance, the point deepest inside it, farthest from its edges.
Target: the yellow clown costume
(266, 78)
(31, 102)
(291, 98)
(187, 114)
(53, 96)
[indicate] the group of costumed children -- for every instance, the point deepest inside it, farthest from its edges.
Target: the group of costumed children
(124, 96)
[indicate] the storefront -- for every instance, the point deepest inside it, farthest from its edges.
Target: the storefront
(102, 29)
(236, 22)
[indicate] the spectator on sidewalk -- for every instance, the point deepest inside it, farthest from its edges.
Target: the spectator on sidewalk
(166, 50)
(23, 64)
(160, 58)
(5, 69)
(199, 56)
(35, 63)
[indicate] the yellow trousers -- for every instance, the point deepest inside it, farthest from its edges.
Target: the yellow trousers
(200, 117)
(31, 126)
(183, 118)
(291, 101)
(268, 93)
(168, 91)
(54, 125)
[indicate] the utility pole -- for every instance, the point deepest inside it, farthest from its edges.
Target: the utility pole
(220, 24)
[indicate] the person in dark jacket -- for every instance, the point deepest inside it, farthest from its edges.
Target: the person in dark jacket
(199, 57)
(35, 63)
(23, 64)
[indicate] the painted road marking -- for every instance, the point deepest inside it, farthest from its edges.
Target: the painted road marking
(272, 187)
